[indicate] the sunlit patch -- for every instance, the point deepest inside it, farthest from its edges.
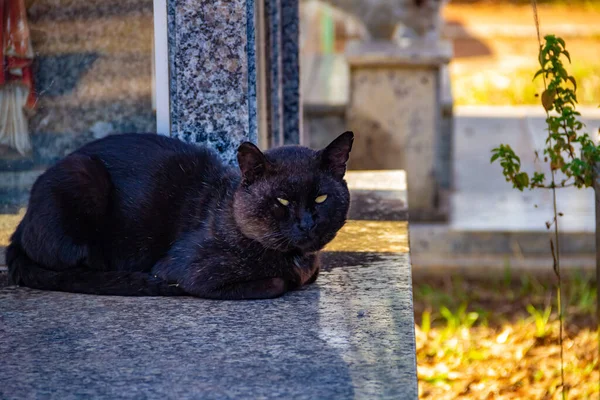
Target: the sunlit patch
(321, 199)
(8, 224)
(371, 237)
(283, 201)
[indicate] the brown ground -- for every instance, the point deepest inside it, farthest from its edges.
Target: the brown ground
(490, 340)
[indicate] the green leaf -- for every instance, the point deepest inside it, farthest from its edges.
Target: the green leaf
(566, 53)
(538, 178)
(494, 157)
(521, 180)
(572, 79)
(541, 71)
(542, 57)
(446, 313)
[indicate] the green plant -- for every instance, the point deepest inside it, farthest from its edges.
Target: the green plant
(426, 321)
(564, 130)
(571, 154)
(460, 318)
(541, 319)
(582, 293)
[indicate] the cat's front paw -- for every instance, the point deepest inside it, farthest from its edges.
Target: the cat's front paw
(306, 269)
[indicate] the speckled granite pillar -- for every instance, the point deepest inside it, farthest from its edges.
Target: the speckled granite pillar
(213, 73)
(290, 38)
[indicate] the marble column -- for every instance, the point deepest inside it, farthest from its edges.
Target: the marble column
(215, 76)
(212, 62)
(290, 59)
(274, 80)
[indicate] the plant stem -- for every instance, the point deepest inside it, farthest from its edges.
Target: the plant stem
(559, 288)
(555, 249)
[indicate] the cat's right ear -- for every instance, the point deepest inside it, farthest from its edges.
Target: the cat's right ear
(335, 156)
(252, 161)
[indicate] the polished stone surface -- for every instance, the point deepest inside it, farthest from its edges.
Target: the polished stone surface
(274, 71)
(349, 336)
(213, 73)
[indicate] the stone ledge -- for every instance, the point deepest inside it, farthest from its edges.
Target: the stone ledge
(389, 54)
(350, 335)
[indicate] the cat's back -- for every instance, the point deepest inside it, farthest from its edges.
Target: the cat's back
(143, 148)
(158, 185)
(146, 159)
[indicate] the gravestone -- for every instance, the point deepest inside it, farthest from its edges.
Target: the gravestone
(395, 104)
(350, 335)
(399, 98)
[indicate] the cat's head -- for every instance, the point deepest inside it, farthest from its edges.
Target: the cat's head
(293, 197)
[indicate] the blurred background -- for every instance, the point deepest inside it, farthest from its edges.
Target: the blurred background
(487, 325)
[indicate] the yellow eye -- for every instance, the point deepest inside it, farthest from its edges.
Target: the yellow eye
(321, 199)
(283, 201)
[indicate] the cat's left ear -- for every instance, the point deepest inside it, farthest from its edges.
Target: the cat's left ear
(252, 161)
(335, 156)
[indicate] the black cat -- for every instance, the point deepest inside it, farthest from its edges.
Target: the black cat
(143, 214)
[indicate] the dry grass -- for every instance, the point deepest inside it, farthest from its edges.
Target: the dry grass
(491, 340)
(497, 67)
(516, 87)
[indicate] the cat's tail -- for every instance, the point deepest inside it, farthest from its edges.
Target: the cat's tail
(25, 272)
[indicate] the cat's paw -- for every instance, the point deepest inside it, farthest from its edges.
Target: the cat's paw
(307, 269)
(314, 276)
(275, 287)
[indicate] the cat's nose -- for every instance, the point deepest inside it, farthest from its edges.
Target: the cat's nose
(306, 223)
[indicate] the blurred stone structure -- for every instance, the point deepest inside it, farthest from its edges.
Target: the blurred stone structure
(398, 100)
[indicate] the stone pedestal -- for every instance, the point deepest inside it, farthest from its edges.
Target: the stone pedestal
(395, 111)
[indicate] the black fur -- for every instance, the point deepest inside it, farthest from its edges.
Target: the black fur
(142, 214)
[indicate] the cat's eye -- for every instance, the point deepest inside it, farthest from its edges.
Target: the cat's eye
(321, 199)
(283, 201)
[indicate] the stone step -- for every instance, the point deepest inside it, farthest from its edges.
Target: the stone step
(438, 249)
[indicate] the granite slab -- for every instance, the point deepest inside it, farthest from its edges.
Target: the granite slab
(348, 336)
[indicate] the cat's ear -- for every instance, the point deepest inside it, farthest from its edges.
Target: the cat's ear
(335, 156)
(252, 161)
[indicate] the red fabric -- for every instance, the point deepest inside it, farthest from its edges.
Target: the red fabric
(16, 53)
